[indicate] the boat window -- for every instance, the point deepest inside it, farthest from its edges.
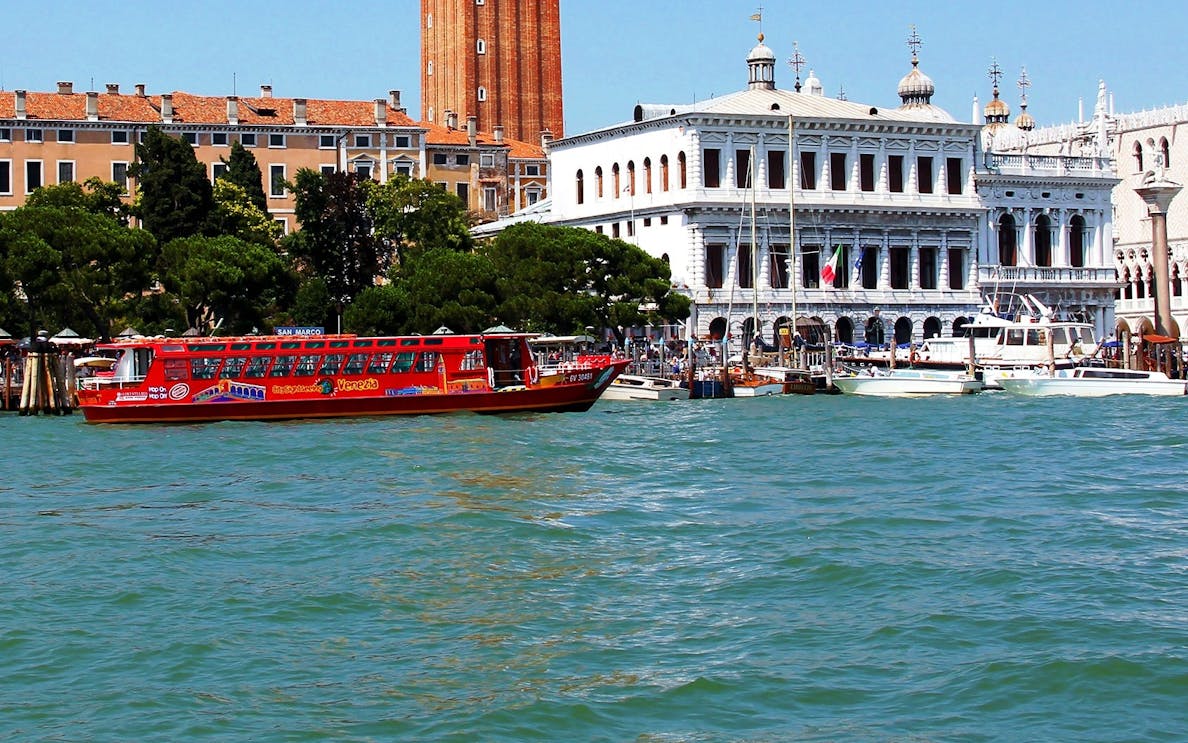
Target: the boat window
(306, 366)
(472, 360)
(1087, 336)
(204, 367)
(386, 342)
(340, 344)
(241, 346)
(1035, 338)
(265, 346)
(208, 347)
(257, 367)
(434, 341)
(1058, 336)
(315, 344)
(379, 363)
(1014, 337)
(173, 348)
(330, 363)
(427, 361)
(232, 367)
(176, 369)
(291, 344)
(362, 344)
(404, 361)
(283, 365)
(410, 341)
(355, 363)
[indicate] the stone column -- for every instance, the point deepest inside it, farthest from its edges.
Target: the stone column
(1157, 193)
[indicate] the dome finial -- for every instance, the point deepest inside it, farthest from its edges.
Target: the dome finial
(997, 112)
(796, 62)
(1025, 121)
(916, 89)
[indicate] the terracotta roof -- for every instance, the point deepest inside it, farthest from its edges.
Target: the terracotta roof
(444, 136)
(198, 110)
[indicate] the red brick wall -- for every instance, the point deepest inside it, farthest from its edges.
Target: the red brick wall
(521, 69)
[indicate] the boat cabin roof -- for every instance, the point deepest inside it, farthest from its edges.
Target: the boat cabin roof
(342, 343)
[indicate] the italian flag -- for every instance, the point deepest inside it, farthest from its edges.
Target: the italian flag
(829, 272)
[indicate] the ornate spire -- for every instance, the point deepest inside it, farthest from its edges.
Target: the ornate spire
(916, 88)
(1025, 121)
(761, 67)
(996, 111)
(796, 62)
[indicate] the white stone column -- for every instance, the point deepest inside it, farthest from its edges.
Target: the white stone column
(1062, 245)
(1025, 255)
(914, 263)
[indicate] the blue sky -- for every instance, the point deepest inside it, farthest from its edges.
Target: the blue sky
(619, 52)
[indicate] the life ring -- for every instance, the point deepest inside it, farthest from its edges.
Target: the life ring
(533, 374)
(915, 358)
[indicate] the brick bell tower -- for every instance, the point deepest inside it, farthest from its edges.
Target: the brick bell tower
(498, 60)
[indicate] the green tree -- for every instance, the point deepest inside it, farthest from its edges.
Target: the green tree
(336, 242)
(446, 287)
(563, 279)
(235, 215)
(416, 215)
(244, 171)
(224, 279)
(176, 198)
(378, 310)
(94, 195)
(75, 266)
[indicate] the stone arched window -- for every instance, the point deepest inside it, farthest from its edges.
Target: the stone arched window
(598, 181)
(664, 172)
(1007, 241)
(615, 184)
(631, 177)
(903, 330)
(844, 330)
(647, 175)
(1043, 240)
(932, 327)
(1165, 152)
(581, 187)
(683, 166)
(1076, 242)
(1138, 157)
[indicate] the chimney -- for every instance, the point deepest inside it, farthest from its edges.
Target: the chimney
(265, 91)
(65, 88)
(167, 108)
(92, 106)
(300, 111)
(498, 134)
(546, 137)
(394, 100)
(472, 130)
(113, 88)
(19, 102)
(381, 112)
(233, 110)
(451, 119)
(140, 89)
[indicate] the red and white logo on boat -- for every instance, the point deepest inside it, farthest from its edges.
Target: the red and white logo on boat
(179, 391)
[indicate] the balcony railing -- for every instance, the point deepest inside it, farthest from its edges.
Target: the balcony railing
(1052, 164)
(1047, 275)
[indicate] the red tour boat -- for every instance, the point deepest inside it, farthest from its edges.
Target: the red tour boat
(330, 376)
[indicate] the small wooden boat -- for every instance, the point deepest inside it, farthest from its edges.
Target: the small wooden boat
(640, 387)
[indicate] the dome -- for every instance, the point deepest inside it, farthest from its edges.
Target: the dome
(761, 53)
(916, 84)
(813, 85)
(996, 109)
(1025, 121)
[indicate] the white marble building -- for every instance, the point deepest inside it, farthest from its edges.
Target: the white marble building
(908, 198)
(1139, 143)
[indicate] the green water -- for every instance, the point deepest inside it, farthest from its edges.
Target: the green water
(826, 568)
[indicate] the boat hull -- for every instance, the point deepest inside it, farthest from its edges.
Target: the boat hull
(647, 389)
(1082, 387)
(908, 384)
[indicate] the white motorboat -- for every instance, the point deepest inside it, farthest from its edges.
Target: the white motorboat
(1092, 381)
(639, 387)
(907, 383)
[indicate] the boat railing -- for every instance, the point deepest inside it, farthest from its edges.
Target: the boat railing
(94, 383)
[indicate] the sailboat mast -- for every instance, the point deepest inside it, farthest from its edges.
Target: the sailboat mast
(754, 251)
(793, 177)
